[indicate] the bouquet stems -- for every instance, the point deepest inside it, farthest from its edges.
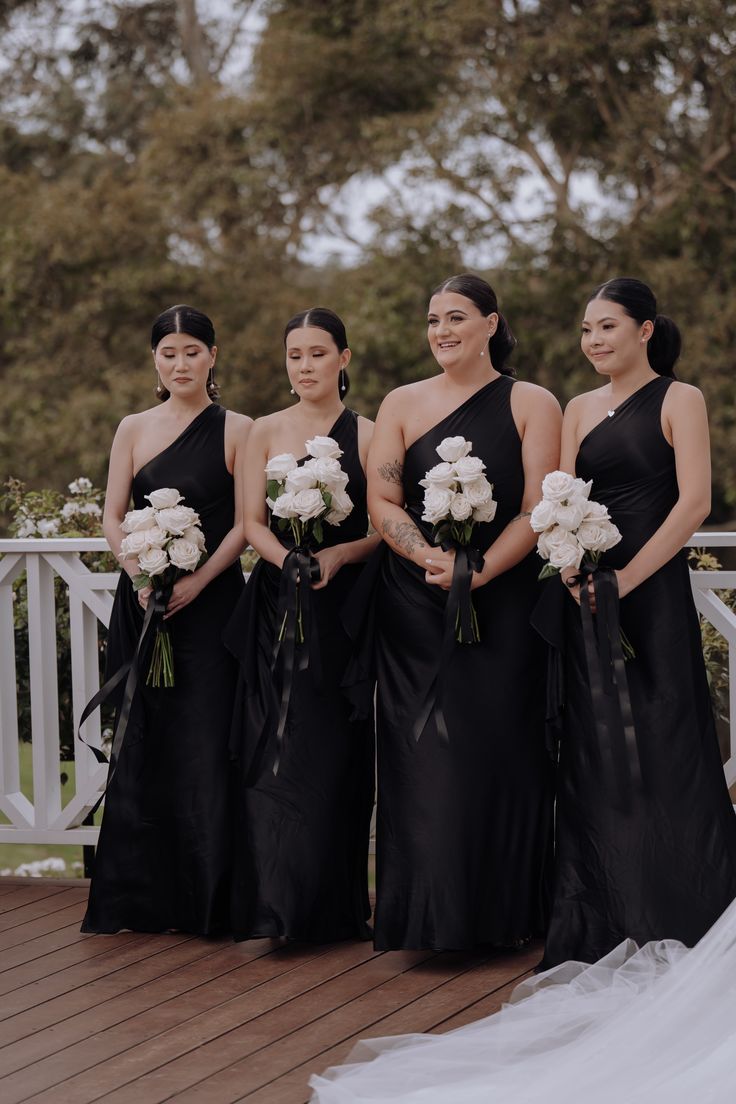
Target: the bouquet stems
(161, 671)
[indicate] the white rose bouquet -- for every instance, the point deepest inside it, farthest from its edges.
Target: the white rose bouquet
(167, 541)
(303, 497)
(457, 496)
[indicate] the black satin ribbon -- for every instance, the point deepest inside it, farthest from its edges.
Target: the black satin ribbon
(458, 614)
(609, 685)
(300, 570)
(129, 671)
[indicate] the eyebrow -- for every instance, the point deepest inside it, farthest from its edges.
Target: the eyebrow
(456, 310)
(608, 318)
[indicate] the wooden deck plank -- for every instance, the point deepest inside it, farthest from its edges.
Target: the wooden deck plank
(38, 907)
(42, 945)
(202, 1044)
(22, 895)
(42, 925)
(50, 962)
(479, 1009)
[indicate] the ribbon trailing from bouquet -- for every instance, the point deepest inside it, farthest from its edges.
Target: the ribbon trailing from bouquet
(129, 671)
(609, 685)
(459, 624)
(296, 625)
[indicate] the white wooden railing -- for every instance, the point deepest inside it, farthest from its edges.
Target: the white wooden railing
(42, 818)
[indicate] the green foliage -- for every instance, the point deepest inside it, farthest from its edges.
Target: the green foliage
(715, 646)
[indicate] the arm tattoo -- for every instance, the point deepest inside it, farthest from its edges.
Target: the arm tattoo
(527, 513)
(404, 535)
(393, 472)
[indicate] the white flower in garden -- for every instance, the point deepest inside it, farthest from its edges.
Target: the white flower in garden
(569, 515)
(460, 508)
(175, 519)
(155, 537)
(308, 503)
(324, 448)
(341, 506)
(452, 448)
(557, 486)
(437, 502)
(278, 467)
(283, 507)
(560, 547)
(138, 519)
(183, 554)
(164, 497)
(153, 561)
(441, 475)
(597, 536)
(469, 468)
(81, 485)
(48, 527)
(543, 515)
(135, 543)
(327, 470)
(479, 492)
(486, 511)
(300, 479)
(196, 536)
(27, 528)
(90, 508)
(69, 509)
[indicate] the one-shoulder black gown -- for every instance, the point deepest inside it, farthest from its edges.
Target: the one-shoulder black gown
(301, 835)
(658, 860)
(464, 831)
(163, 858)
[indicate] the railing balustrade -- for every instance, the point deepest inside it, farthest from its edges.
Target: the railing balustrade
(42, 818)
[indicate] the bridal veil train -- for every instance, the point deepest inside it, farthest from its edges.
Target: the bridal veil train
(651, 1024)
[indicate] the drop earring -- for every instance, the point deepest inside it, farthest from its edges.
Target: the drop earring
(342, 383)
(292, 391)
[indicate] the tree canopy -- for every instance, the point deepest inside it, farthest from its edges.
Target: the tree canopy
(160, 151)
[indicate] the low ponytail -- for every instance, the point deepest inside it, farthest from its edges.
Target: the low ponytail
(663, 347)
(501, 346)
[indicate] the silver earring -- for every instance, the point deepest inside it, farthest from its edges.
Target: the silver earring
(292, 391)
(482, 352)
(342, 383)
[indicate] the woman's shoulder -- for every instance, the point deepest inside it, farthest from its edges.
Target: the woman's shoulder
(237, 420)
(406, 396)
(532, 394)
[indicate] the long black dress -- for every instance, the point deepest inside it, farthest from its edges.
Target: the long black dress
(464, 831)
(301, 836)
(163, 858)
(658, 860)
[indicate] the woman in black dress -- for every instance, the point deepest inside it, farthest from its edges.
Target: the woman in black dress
(646, 834)
(163, 858)
(464, 822)
(305, 770)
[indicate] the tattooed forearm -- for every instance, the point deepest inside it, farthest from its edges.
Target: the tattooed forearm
(527, 513)
(393, 472)
(404, 534)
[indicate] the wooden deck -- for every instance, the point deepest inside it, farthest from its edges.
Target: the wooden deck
(138, 1019)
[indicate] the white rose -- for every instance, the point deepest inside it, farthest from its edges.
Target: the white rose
(90, 508)
(153, 561)
(560, 547)
(175, 519)
(164, 498)
(596, 511)
(283, 507)
(557, 486)
(300, 479)
(278, 467)
(441, 475)
(195, 535)
(308, 504)
(69, 509)
(437, 501)
(326, 470)
(138, 519)
(569, 515)
(48, 527)
(183, 554)
(542, 516)
(581, 489)
(598, 536)
(341, 506)
(460, 508)
(479, 492)
(26, 529)
(452, 448)
(155, 537)
(485, 511)
(323, 448)
(135, 543)
(469, 468)
(81, 485)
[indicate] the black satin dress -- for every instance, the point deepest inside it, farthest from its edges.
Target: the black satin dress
(464, 831)
(658, 860)
(301, 836)
(163, 858)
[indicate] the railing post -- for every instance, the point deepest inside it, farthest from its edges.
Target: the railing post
(44, 691)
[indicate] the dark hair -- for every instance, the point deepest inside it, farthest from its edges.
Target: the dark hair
(324, 319)
(480, 292)
(186, 320)
(637, 299)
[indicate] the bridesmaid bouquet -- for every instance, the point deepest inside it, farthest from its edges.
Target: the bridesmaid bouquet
(166, 540)
(457, 496)
(571, 526)
(303, 496)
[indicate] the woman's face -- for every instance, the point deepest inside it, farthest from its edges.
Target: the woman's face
(456, 329)
(183, 364)
(612, 341)
(313, 362)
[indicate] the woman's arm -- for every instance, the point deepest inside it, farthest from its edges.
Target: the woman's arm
(685, 416)
(186, 589)
(255, 511)
(117, 493)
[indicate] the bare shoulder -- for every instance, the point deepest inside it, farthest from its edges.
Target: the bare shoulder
(240, 423)
(134, 424)
(404, 398)
(684, 396)
(365, 426)
(531, 397)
